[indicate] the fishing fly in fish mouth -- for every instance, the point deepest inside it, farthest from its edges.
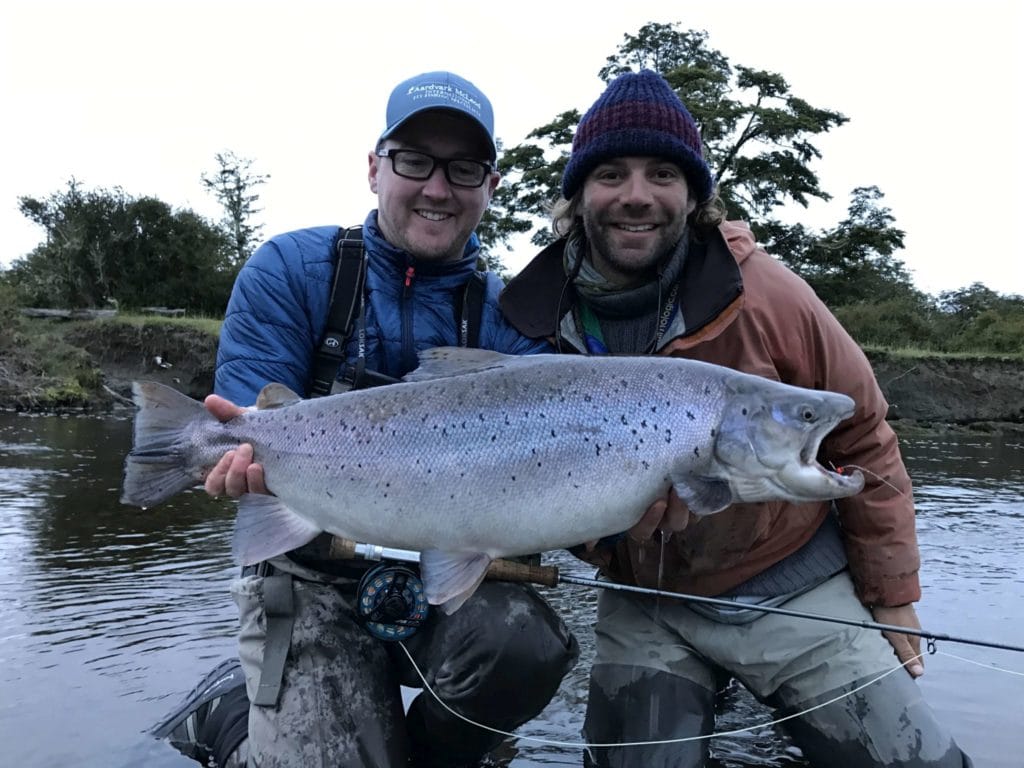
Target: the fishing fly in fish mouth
(499, 455)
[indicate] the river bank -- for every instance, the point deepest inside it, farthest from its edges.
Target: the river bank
(88, 365)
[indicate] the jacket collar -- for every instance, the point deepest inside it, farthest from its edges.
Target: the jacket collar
(538, 300)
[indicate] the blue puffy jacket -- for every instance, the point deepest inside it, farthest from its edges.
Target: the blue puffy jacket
(278, 309)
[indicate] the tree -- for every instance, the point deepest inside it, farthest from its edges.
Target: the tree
(105, 246)
(853, 262)
(757, 135)
(233, 186)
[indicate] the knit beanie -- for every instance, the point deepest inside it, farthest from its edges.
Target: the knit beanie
(638, 115)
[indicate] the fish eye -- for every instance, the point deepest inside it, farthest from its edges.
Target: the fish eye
(807, 414)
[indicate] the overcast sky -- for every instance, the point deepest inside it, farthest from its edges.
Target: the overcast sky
(142, 94)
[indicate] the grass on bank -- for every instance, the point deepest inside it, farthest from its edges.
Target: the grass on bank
(917, 353)
(48, 363)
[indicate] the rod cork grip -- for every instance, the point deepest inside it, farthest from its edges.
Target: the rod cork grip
(510, 570)
(341, 549)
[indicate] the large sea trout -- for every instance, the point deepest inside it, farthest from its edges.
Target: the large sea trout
(479, 455)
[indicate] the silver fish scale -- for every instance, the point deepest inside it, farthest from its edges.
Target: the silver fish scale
(522, 454)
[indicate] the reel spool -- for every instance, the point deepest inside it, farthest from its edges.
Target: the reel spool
(390, 601)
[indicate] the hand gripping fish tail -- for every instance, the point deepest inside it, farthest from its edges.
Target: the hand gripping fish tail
(479, 455)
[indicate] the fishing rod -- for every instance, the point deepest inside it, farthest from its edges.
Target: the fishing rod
(550, 576)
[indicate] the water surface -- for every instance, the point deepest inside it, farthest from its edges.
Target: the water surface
(111, 614)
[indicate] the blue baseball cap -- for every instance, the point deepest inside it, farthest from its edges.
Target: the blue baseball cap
(439, 90)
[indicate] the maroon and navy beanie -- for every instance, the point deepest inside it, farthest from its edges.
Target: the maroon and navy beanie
(638, 115)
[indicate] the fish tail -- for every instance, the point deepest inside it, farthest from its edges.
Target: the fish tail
(159, 464)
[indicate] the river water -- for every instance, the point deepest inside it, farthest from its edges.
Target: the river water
(111, 614)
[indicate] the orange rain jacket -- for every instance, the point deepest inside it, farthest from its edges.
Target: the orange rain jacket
(745, 310)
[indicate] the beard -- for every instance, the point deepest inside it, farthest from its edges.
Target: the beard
(630, 263)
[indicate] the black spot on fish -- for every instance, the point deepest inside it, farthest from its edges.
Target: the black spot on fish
(553, 433)
(690, 416)
(623, 419)
(598, 447)
(744, 411)
(329, 494)
(513, 478)
(538, 463)
(645, 465)
(712, 431)
(643, 423)
(493, 438)
(587, 398)
(696, 451)
(661, 376)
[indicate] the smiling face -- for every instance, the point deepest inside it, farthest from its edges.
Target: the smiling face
(634, 211)
(431, 218)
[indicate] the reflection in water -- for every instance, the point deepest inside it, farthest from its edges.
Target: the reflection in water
(112, 613)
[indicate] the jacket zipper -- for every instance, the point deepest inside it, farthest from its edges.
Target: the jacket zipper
(409, 357)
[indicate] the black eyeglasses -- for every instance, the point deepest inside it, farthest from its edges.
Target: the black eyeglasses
(419, 165)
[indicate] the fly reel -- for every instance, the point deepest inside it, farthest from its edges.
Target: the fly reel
(390, 601)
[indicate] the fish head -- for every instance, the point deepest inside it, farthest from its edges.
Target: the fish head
(768, 440)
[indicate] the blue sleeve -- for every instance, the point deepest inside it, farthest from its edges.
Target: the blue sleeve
(268, 335)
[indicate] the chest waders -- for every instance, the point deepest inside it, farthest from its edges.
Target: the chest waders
(390, 601)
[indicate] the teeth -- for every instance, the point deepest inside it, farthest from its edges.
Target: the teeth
(432, 215)
(636, 227)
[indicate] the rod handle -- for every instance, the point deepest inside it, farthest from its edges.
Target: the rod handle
(510, 570)
(342, 549)
(499, 570)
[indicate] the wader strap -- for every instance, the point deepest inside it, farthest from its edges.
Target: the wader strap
(468, 318)
(346, 299)
(278, 603)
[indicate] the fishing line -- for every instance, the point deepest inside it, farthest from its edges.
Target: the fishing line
(587, 745)
(985, 664)
(842, 470)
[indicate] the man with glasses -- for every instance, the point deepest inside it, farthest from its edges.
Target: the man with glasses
(497, 660)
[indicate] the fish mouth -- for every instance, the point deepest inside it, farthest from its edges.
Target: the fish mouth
(839, 478)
